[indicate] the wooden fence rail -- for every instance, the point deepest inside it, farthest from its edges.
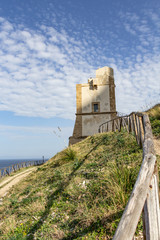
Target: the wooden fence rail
(15, 167)
(145, 194)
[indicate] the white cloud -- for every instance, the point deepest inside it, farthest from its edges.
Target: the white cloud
(39, 70)
(138, 85)
(129, 29)
(37, 75)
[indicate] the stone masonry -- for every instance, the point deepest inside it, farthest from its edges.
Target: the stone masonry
(95, 104)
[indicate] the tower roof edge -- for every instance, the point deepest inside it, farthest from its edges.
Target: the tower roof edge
(104, 70)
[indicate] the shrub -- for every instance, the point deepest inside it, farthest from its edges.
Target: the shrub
(69, 155)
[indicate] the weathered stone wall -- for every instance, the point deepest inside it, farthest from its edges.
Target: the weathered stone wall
(91, 123)
(101, 95)
(77, 132)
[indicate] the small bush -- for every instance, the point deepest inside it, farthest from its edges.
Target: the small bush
(69, 155)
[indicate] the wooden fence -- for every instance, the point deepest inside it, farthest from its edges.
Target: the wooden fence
(145, 194)
(15, 167)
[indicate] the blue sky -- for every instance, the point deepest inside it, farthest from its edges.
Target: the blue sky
(47, 46)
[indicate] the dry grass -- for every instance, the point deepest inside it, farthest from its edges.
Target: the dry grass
(80, 193)
(154, 114)
(154, 111)
(81, 196)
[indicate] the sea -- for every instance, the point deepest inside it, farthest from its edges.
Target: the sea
(9, 162)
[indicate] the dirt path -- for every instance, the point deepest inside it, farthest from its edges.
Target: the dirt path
(157, 146)
(11, 181)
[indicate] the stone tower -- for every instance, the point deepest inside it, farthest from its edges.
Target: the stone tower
(95, 104)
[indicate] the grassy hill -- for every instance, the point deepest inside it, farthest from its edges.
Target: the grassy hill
(78, 194)
(154, 114)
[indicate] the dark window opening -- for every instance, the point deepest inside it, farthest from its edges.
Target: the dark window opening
(95, 107)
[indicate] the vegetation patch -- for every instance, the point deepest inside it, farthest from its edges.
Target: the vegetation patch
(155, 123)
(154, 115)
(78, 194)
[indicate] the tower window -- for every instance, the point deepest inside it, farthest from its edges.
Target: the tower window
(95, 107)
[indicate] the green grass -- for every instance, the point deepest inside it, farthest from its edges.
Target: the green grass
(155, 123)
(79, 194)
(154, 115)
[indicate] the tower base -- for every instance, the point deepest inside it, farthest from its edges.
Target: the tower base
(73, 140)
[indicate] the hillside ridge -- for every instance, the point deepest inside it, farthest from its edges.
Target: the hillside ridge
(76, 194)
(80, 193)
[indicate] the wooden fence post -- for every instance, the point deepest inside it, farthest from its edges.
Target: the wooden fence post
(129, 124)
(113, 126)
(142, 129)
(132, 212)
(135, 127)
(138, 130)
(152, 212)
(132, 124)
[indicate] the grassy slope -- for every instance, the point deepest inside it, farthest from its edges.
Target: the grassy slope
(154, 114)
(79, 194)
